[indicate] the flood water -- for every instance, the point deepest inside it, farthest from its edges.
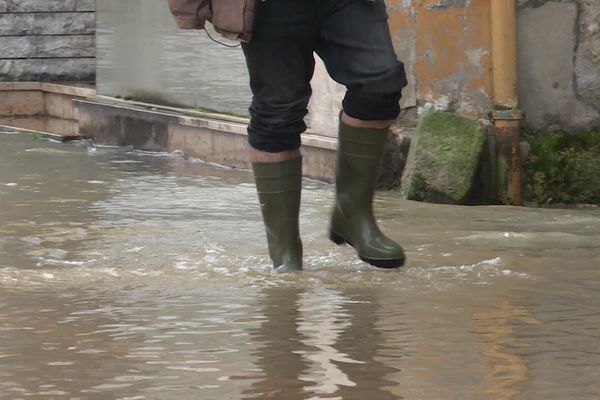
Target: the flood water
(126, 275)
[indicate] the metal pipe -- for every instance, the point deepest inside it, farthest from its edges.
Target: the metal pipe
(508, 158)
(504, 53)
(506, 116)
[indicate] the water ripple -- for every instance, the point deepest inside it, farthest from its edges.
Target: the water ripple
(140, 276)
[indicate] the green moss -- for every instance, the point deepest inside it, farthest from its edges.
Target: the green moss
(191, 111)
(200, 112)
(563, 168)
(443, 159)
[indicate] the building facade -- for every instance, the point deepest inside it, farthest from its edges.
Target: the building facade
(447, 47)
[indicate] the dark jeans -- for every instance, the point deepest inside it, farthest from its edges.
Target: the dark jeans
(353, 39)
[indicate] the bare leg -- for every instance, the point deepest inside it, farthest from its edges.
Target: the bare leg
(359, 123)
(259, 157)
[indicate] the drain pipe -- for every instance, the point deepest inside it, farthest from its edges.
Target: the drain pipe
(506, 116)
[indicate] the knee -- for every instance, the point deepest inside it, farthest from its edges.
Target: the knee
(271, 142)
(276, 126)
(389, 82)
(377, 98)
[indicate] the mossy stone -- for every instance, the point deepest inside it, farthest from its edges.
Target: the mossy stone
(444, 158)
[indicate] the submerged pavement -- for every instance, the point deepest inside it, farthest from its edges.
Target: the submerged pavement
(132, 275)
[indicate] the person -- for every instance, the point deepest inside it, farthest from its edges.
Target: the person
(353, 39)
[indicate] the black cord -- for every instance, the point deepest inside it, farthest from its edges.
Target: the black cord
(221, 43)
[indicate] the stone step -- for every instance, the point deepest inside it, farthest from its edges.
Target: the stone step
(42, 127)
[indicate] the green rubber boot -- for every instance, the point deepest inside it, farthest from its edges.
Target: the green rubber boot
(360, 151)
(279, 186)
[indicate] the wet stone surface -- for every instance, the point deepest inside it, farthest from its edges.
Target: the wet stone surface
(128, 275)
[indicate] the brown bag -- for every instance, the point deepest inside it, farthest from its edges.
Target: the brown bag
(233, 19)
(190, 14)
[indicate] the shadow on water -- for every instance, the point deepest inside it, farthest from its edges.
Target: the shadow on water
(141, 276)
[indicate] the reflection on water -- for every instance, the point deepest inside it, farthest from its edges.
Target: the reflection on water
(142, 276)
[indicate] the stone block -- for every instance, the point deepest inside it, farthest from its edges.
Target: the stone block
(61, 127)
(47, 46)
(177, 137)
(74, 90)
(47, 24)
(444, 159)
(548, 83)
(21, 103)
(192, 141)
(60, 106)
(53, 128)
(141, 133)
(94, 123)
(208, 139)
(319, 163)
(230, 150)
(19, 86)
(67, 69)
(34, 124)
(46, 5)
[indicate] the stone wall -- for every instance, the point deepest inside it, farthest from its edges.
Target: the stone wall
(559, 63)
(47, 40)
(446, 46)
(142, 55)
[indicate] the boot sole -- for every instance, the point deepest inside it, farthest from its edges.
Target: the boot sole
(387, 263)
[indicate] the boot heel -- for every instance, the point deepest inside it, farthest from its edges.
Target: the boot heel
(335, 238)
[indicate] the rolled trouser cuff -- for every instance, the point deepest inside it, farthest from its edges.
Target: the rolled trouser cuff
(377, 98)
(372, 106)
(273, 143)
